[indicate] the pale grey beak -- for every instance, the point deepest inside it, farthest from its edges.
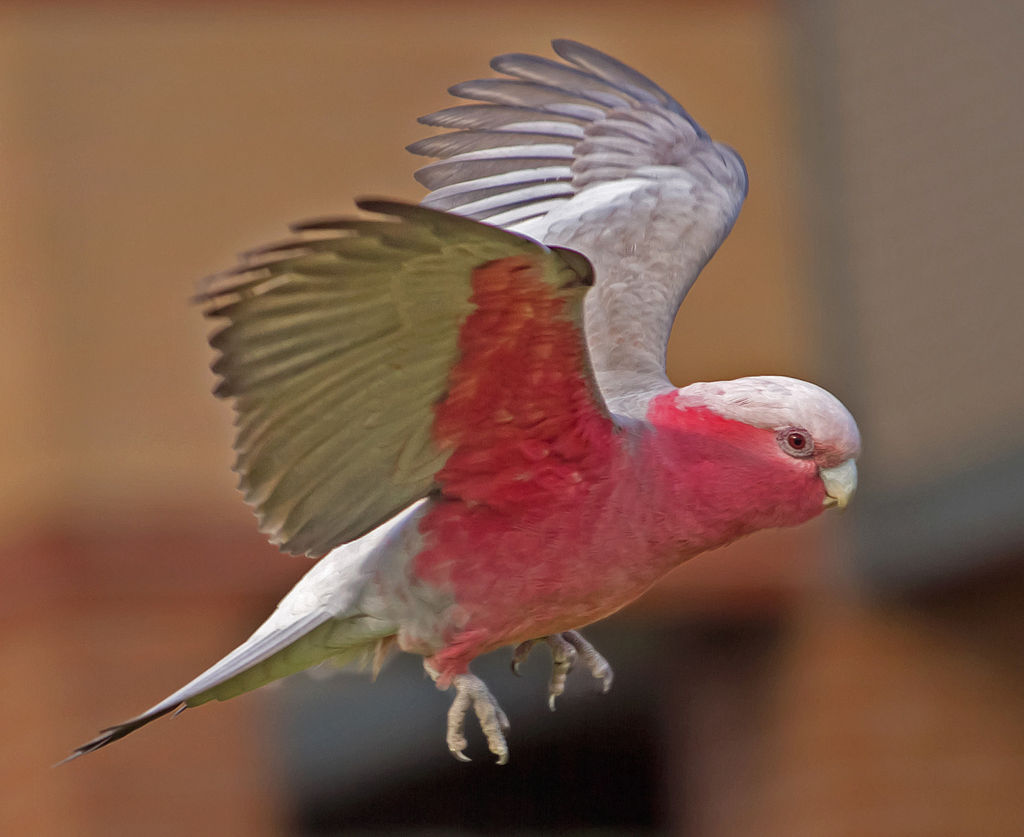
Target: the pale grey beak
(840, 484)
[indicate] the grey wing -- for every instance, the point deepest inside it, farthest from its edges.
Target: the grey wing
(592, 155)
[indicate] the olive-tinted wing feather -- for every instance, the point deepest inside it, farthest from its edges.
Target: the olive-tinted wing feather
(339, 346)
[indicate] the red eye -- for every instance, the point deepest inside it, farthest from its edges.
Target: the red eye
(796, 441)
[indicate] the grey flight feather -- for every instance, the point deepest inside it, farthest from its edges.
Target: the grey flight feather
(598, 158)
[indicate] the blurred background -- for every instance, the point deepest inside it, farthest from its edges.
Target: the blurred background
(861, 675)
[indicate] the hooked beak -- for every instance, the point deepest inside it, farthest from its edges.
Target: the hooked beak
(840, 483)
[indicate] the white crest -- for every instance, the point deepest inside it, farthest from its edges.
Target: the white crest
(775, 402)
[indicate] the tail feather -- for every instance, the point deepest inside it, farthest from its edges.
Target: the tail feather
(225, 678)
(319, 619)
(111, 734)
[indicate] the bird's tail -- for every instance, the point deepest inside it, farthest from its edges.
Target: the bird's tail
(272, 652)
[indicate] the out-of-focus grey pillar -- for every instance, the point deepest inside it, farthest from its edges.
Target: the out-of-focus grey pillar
(913, 126)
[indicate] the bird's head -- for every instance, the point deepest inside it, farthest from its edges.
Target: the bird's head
(790, 446)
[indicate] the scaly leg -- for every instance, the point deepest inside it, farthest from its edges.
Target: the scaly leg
(470, 690)
(566, 649)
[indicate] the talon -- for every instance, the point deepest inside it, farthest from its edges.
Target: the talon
(521, 652)
(567, 649)
(563, 659)
(595, 662)
(471, 691)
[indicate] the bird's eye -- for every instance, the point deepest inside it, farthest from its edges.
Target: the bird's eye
(796, 441)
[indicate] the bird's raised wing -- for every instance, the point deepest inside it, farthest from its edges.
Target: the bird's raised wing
(364, 355)
(592, 155)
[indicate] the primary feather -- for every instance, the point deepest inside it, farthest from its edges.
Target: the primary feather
(627, 177)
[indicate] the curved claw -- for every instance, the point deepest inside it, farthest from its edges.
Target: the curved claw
(595, 662)
(563, 660)
(520, 653)
(567, 649)
(471, 691)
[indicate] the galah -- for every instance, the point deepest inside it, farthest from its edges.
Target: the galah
(462, 408)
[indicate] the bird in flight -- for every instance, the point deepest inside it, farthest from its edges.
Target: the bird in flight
(461, 408)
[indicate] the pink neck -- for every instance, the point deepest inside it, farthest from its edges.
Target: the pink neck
(716, 480)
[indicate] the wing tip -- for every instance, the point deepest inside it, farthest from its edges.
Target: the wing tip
(563, 45)
(386, 206)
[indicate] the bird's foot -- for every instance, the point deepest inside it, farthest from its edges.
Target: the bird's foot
(566, 649)
(471, 691)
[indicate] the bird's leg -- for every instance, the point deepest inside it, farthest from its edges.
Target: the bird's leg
(566, 649)
(592, 659)
(563, 660)
(470, 690)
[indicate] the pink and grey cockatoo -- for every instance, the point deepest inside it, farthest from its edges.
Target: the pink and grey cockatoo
(463, 406)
